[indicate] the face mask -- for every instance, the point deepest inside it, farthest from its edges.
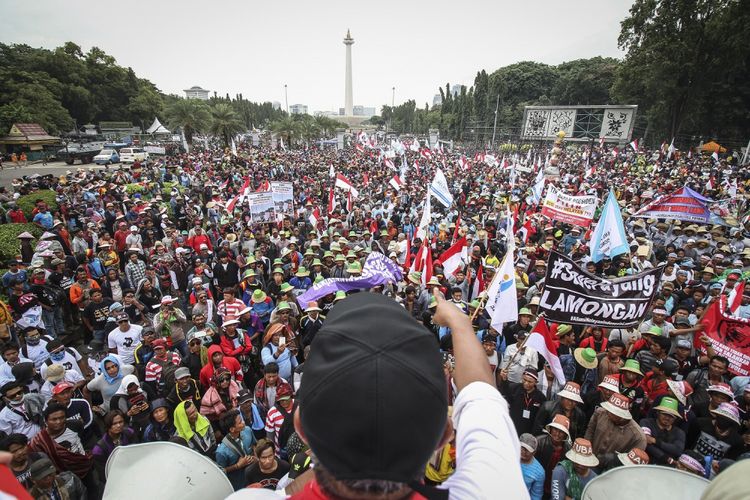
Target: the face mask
(33, 341)
(17, 402)
(57, 356)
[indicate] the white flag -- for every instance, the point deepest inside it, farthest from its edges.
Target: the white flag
(424, 222)
(331, 171)
(502, 304)
(414, 146)
(234, 147)
(185, 143)
(439, 188)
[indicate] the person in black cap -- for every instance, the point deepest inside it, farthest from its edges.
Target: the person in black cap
(387, 366)
(525, 400)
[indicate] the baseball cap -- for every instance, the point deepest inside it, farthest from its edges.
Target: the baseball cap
(62, 386)
(372, 350)
(684, 344)
(244, 396)
(181, 372)
(528, 442)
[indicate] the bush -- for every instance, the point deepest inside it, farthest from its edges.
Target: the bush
(26, 202)
(9, 244)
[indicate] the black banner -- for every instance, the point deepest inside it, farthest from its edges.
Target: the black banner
(573, 296)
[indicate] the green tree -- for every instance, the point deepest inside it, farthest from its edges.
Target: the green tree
(146, 105)
(678, 53)
(224, 122)
(191, 115)
(287, 128)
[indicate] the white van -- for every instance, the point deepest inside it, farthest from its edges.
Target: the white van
(130, 155)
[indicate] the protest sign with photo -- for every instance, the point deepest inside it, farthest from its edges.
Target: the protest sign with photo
(730, 337)
(261, 207)
(574, 296)
(578, 210)
(283, 197)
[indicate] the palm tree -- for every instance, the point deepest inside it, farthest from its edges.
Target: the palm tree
(327, 125)
(191, 115)
(224, 122)
(309, 129)
(287, 128)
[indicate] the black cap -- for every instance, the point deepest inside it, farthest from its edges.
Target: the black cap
(387, 366)
(668, 365)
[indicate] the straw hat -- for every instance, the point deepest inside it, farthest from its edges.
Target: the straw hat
(636, 456)
(632, 365)
(563, 330)
(586, 357)
(582, 453)
(55, 373)
(681, 390)
(669, 405)
(571, 391)
(618, 405)
(258, 296)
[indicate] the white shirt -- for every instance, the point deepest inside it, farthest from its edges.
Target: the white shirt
(11, 422)
(69, 362)
(523, 360)
(125, 342)
(6, 370)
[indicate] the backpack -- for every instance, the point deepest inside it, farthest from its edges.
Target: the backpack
(168, 370)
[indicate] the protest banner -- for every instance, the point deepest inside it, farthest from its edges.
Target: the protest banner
(577, 210)
(730, 337)
(261, 207)
(573, 296)
(283, 197)
(683, 205)
(378, 270)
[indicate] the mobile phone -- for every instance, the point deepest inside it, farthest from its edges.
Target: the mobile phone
(282, 341)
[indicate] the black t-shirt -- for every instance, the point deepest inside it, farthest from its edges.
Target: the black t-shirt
(97, 313)
(254, 475)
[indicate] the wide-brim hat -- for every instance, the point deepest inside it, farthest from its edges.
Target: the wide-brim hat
(728, 411)
(582, 453)
(631, 367)
(258, 296)
(636, 456)
(569, 392)
(668, 405)
(614, 409)
(582, 356)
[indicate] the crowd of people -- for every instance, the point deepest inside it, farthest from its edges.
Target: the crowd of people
(147, 311)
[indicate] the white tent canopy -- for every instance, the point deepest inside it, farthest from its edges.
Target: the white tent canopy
(157, 128)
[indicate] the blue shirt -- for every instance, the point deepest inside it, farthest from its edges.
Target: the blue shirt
(226, 455)
(286, 361)
(44, 219)
(533, 476)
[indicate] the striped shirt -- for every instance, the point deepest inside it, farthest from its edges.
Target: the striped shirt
(153, 370)
(229, 311)
(274, 421)
(533, 476)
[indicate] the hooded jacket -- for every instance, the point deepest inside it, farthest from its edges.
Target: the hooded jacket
(231, 364)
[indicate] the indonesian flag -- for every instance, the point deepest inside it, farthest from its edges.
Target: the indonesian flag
(455, 230)
(414, 146)
(407, 259)
(710, 183)
(396, 182)
(540, 339)
(360, 147)
(463, 163)
(389, 163)
(505, 164)
(244, 191)
(423, 262)
(478, 286)
(264, 186)
(634, 145)
(735, 297)
(453, 259)
(426, 154)
(331, 201)
(315, 217)
(479, 157)
(526, 231)
(365, 179)
(349, 201)
(345, 184)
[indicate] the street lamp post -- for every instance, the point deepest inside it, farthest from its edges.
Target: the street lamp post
(286, 99)
(494, 126)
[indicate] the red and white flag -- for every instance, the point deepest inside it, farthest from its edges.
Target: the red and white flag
(315, 217)
(540, 339)
(455, 230)
(479, 157)
(426, 154)
(349, 201)
(455, 256)
(634, 145)
(240, 198)
(423, 262)
(345, 184)
(331, 201)
(526, 231)
(365, 179)
(463, 163)
(710, 183)
(734, 300)
(389, 163)
(478, 286)
(359, 147)
(396, 182)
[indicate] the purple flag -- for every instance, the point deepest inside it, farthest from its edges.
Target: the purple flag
(378, 270)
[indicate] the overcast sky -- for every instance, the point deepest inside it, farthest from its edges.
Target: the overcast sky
(255, 47)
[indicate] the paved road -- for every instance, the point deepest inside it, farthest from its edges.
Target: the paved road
(55, 168)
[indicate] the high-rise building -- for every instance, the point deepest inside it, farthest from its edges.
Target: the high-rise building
(298, 109)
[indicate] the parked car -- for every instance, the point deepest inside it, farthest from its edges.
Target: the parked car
(130, 155)
(107, 156)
